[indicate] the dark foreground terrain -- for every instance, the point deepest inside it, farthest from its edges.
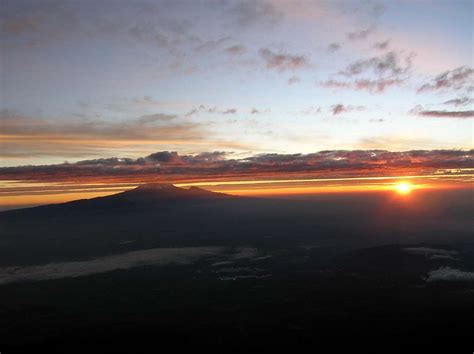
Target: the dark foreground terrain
(161, 268)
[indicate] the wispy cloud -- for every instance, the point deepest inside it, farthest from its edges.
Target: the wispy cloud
(236, 49)
(447, 114)
(372, 86)
(230, 111)
(293, 80)
(282, 61)
(456, 79)
(361, 34)
(211, 109)
(462, 101)
(391, 63)
(340, 108)
(382, 45)
(28, 136)
(211, 45)
(375, 74)
(254, 111)
(333, 47)
(377, 120)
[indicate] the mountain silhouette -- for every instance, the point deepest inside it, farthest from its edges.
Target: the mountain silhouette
(145, 195)
(159, 192)
(153, 191)
(154, 215)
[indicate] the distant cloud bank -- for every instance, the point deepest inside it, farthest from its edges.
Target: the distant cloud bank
(169, 165)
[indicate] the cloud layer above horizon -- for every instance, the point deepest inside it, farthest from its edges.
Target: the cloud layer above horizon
(220, 165)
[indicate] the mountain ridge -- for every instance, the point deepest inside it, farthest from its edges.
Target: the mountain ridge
(167, 190)
(142, 195)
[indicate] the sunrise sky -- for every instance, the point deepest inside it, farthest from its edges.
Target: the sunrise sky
(188, 91)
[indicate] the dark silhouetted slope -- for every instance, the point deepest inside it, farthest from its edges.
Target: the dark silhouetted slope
(162, 191)
(143, 196)
(163, 215)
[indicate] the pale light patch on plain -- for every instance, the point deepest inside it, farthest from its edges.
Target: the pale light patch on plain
(449, 274)
(244, 253)
(237, 277)
(428, 251)
(443, 257)
(155, 256)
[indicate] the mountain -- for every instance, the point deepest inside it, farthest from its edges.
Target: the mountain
(143, 196)
(163, 215)
(150, 194)
(151, 215)
(162, 191)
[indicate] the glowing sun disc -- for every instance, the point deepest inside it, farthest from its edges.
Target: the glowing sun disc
(403, 188)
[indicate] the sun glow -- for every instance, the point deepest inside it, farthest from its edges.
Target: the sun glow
(403, 188)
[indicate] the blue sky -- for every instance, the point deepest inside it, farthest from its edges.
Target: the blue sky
(89, 79)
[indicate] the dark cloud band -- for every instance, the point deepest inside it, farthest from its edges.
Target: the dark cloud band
(166, 165)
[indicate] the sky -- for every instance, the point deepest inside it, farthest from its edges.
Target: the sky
(91, 79)
(107, 83)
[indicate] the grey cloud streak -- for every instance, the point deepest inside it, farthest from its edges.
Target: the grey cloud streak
(207, 109)
(340, 108)
(282, 61)
(420, 111)
(463, 101)
(236, 49)
(375, 74)
(361, 34)
(372, 86)
(382, 45)
(447, 114)
(333, 47)
(456, 79)
(391, 63)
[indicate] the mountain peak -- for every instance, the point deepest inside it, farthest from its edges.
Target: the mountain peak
(156, 187)
(159, 191)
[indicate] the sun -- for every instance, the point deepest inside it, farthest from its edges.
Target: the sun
(403, 188)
